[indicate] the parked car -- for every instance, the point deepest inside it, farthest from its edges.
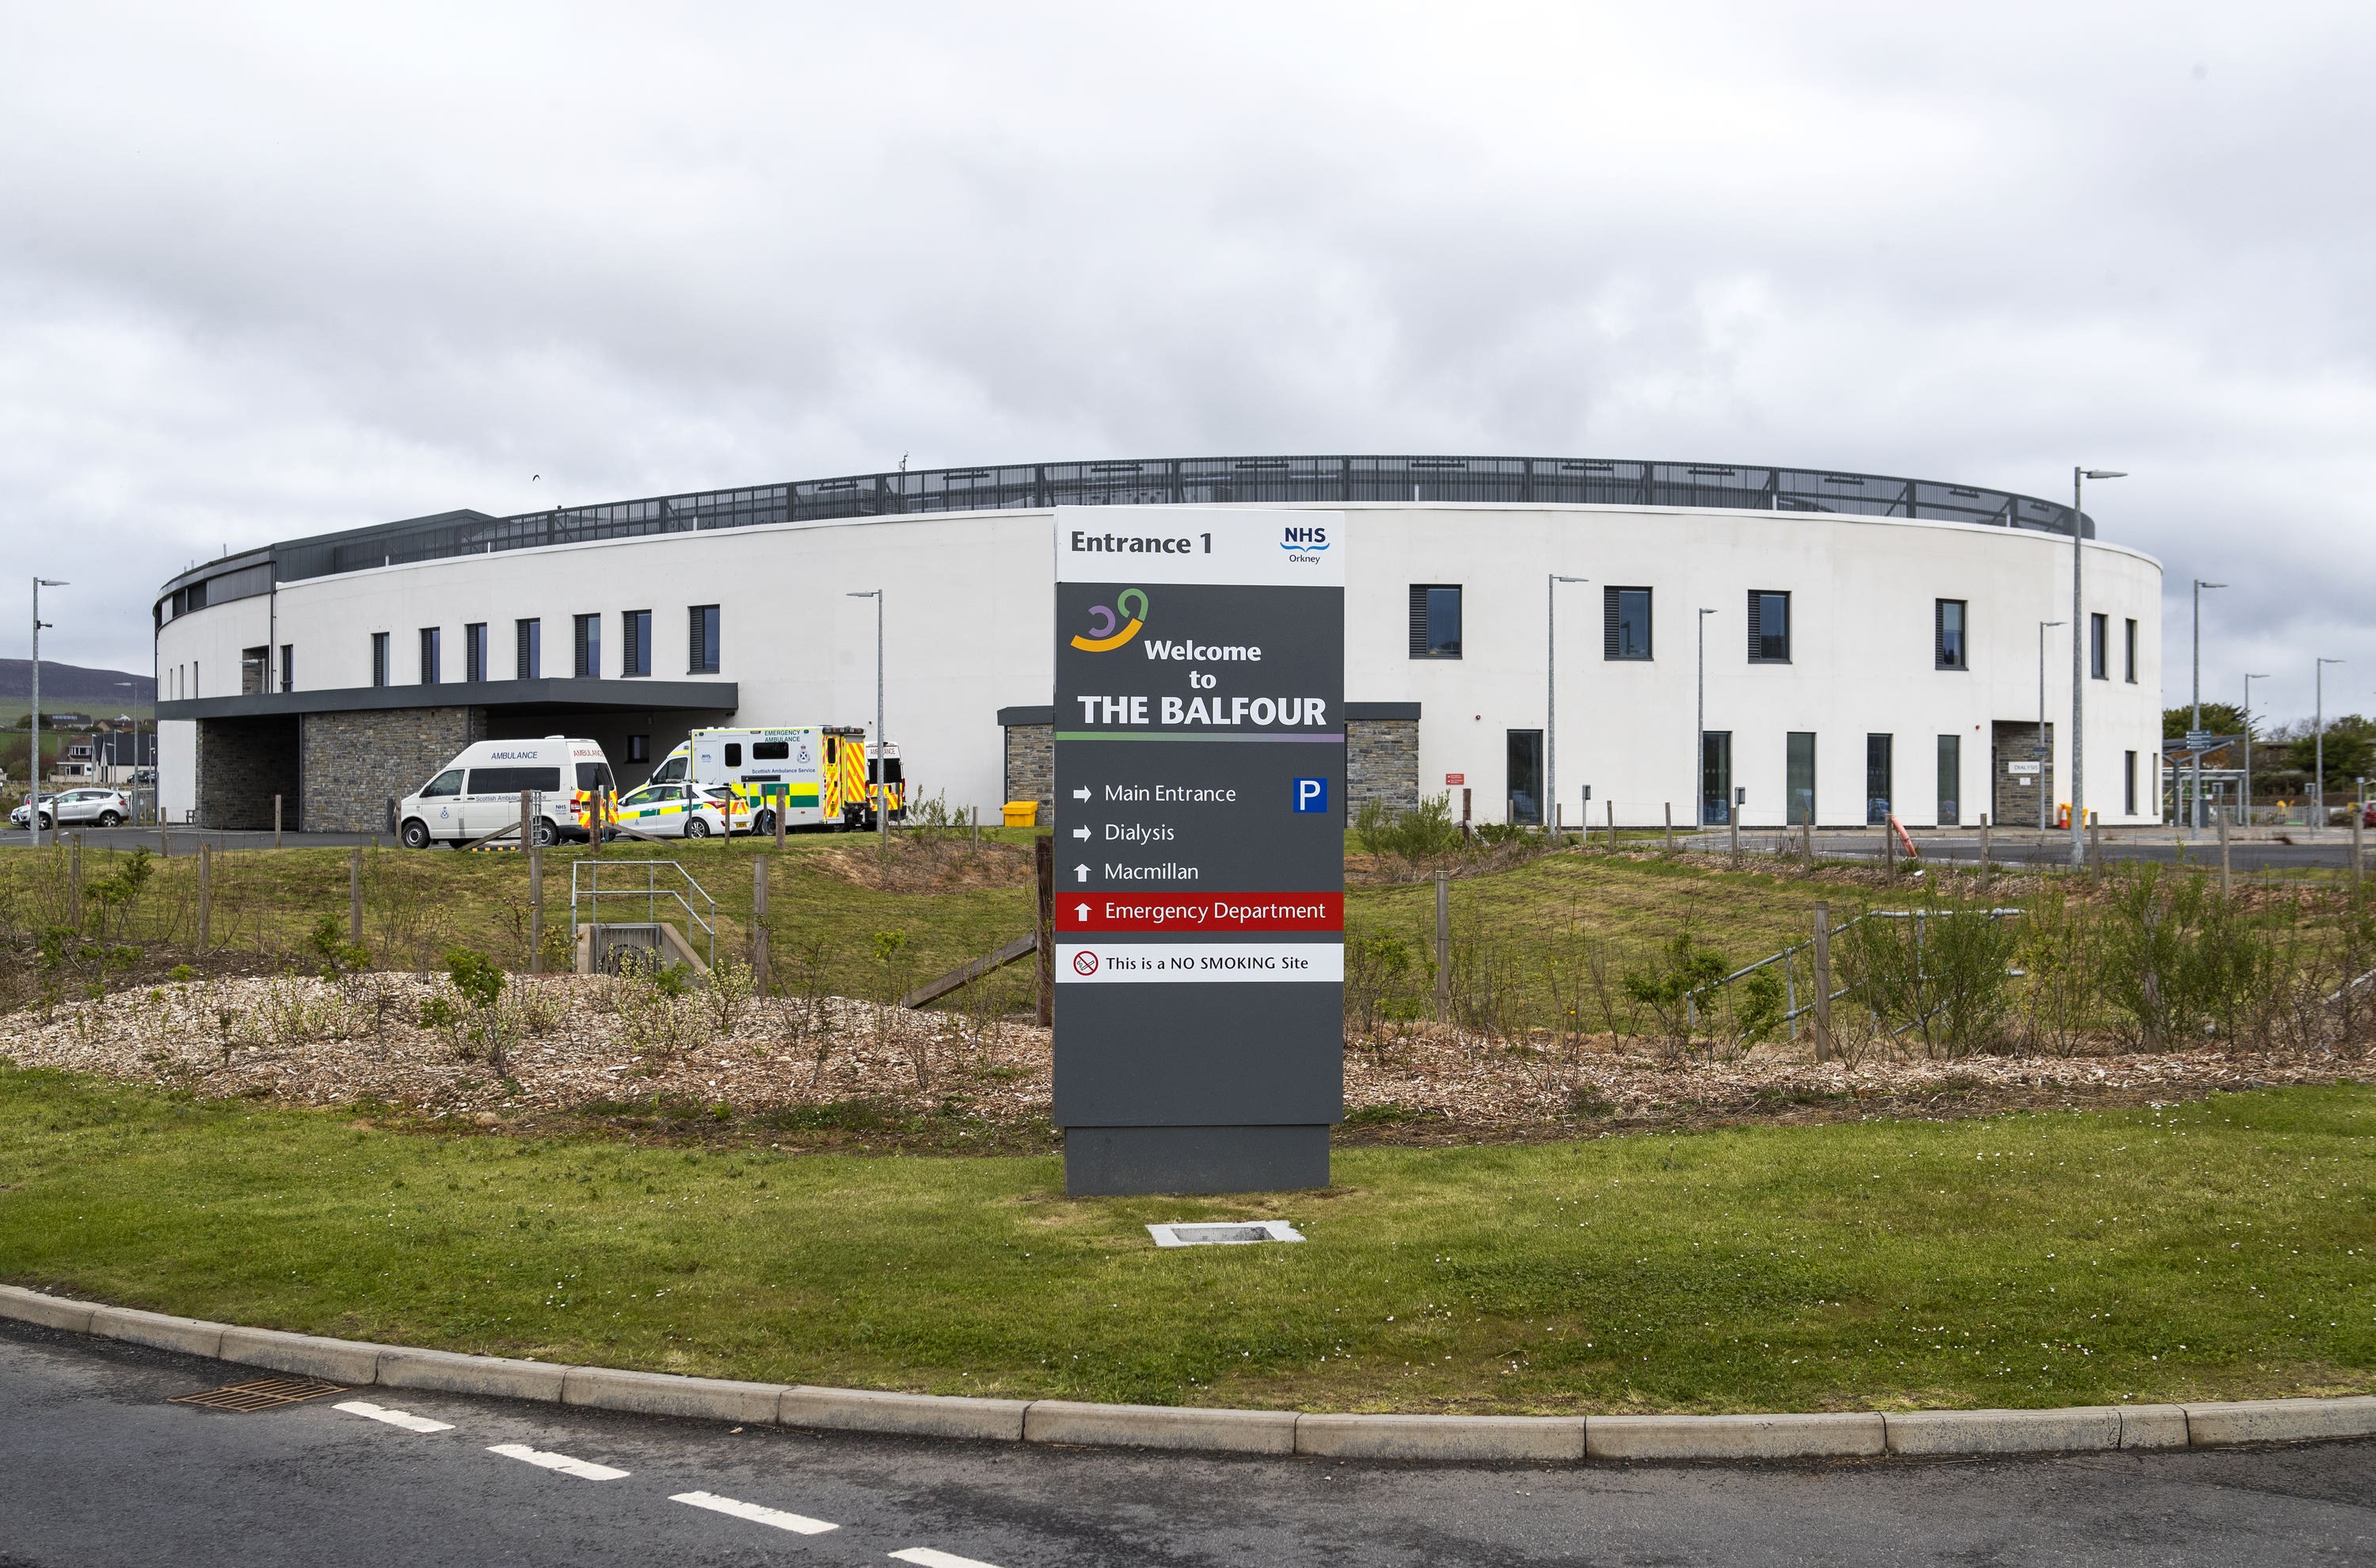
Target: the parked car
(673, 811)
(105, 807)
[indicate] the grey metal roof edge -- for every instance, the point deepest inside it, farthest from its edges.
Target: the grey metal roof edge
(607, 696)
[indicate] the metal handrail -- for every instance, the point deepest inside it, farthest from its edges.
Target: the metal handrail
(1330, 478)
(585, 882)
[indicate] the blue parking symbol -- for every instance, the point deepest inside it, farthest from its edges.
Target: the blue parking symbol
(1312, 794)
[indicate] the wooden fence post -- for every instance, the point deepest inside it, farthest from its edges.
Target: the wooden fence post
(1733, 822)
(206, 892)
(276, 822)
(2095, 845)
(1671, 827)
(1806, 840)
(355, 897)
(759, 924)
(1612, 825)
(1984, 851)
(775, 815)
(74, 879)
(2358, 820)
(1888, 850)
(1444, 946)
(1822, 982)
(2223, 854)
(1043, 864)
(535, 910)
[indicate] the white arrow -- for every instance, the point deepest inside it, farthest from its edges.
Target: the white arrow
(1081, 874)
(1082, 910)
(1082, 793)
(1080, 833)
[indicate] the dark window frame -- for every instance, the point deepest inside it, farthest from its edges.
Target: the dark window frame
(288, 667)
(433, 655)
(1955, 654)
(379, 659)
(1762, 644)
(636, 644)
(703, 628)
(586, 653)
(1951, 779)
(2099, 645)
(528, 648)
(1881, 769)
(1613, 619)
(1424, 642)
(2130, 640)
(474, 651)
(639, 748)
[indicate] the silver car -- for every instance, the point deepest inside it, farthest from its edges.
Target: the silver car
(107, 808)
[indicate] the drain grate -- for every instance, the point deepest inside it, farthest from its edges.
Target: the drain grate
(263, 1394)
(1224, 1234)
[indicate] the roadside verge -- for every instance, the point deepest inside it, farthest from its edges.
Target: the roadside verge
(1413, 1437)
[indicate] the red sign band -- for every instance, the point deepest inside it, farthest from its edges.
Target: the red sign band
(1200, 911)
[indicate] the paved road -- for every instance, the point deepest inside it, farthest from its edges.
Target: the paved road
(97, 1468)
(183, 840)
(2245, 857)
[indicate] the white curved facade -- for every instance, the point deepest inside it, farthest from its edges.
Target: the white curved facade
(968, 632)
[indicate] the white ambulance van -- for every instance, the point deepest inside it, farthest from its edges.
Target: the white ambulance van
(816, 775)
(479, 792)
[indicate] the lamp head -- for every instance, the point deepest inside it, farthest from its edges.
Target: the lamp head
(2201, 583)
(2105, 473)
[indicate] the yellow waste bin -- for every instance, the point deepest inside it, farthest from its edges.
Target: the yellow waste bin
(1022, 813)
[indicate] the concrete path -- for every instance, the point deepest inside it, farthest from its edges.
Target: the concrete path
(96, 1468)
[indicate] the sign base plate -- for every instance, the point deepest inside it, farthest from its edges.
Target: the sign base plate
(1127, 1161)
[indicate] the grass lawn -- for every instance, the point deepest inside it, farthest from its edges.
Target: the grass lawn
(2215, 1250)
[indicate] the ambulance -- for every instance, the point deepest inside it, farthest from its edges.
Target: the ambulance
(815, 775)
(477, 794)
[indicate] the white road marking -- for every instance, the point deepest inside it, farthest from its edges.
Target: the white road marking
(796, 1523)
(926, 1557)
(561, 1461)
(393, 1418)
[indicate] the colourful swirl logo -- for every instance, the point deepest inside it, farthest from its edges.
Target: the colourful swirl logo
(1106, 638)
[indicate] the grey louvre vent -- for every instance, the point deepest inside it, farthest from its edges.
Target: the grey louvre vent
(1234, 1233)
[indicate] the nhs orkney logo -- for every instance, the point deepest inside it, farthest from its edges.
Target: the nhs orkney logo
(1303, 539)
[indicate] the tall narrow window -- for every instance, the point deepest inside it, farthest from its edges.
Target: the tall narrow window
(474, 651)
(528, 651)
(701, 640)
(1950, 780)
(1799, 779)
(2132, 646)
(1434, 621)
(635, 642)
(1769, 627)
(1625, 623)
(1948, 622)
(255, 670)
(1716, 778)
(432, 645)
(2128, 794)
(1523, 753)
(1878, 767)
(288, 667)
(587, 666)
(379, 659)
(2099, 630)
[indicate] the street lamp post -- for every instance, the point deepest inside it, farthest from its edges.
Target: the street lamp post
(882, 758)
(2246, 820)
(33, 741)
(2044, 754)
(1550, 704)
(2078, 675)
(1699, 761)
(2195, 812)
(2319, 748)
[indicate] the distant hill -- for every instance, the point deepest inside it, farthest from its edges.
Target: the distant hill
(65, 685)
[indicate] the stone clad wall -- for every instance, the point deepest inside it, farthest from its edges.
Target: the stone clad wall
(1030, 769)
(241, 764)
(354, 761)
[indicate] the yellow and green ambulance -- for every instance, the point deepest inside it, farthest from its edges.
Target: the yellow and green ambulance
(816, 775)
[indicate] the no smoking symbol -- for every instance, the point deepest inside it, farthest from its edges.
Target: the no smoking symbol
(1085, 963)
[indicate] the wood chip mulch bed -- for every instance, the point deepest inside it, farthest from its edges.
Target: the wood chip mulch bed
(590, 1050)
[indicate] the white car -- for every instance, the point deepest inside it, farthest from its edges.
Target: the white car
(105, 807)
(674, 811)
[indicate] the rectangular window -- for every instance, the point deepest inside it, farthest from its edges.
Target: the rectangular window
(288, 667)
(1950, 780)
(771, 751)
(2132, 661)
(733, 753)
(1877, 769)
(2129, 793)
(1716, 778)
(1949, 622)
(588, 663)
(1798, 778)
(635, 642)
(1524, 754)
(1625, 623)
(1769, 627)
(639, 748)
(702, 640)
(528, 649)
(379, 659)
(2098, 630)
(512, 780)
(474, 651)
(431, 646)
(1434, 621)
(255, 665)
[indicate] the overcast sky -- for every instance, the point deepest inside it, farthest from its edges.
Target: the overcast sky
(270, 271)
